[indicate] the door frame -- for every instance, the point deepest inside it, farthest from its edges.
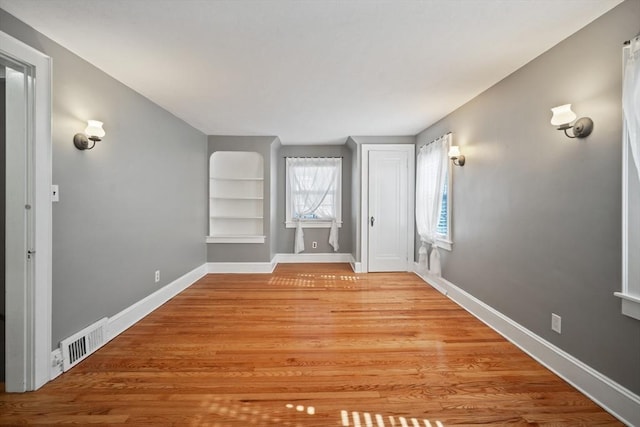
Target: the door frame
(34, 351)
(364, 200)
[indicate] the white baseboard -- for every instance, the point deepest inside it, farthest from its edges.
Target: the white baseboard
(240, 267)
(616, 399)
(318, 257)
(356, 266)
(132, 314)
(268, 267)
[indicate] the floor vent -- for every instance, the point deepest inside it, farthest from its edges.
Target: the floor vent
(80, 345)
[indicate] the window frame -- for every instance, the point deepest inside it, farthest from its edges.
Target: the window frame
(290, 222)
(445, 241)
(630, 292)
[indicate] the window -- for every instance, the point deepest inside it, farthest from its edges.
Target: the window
(313, 191)
(433, 190)
(631, 182)
(443, 220)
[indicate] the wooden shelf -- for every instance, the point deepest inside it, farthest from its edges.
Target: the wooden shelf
(237, 198)
(236, 179)
(235, 217)
(237, 238)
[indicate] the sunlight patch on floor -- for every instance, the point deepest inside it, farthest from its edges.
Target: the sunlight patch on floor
(300, 408)
(366, 420)
(304, 280)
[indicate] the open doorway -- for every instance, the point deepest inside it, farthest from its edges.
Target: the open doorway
(27, 215)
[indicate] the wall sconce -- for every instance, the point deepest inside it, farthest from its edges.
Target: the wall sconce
(93, 132)
(454, 154)
(563, 116)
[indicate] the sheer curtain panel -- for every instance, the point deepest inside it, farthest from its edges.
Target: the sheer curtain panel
(298, 245)
(430, 180)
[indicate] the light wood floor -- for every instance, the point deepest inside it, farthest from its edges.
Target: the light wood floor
(310, 345)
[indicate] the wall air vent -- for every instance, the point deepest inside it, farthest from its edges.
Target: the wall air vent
(80, 345)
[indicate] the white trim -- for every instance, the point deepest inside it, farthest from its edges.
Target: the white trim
(43, 221)
(312, 258)
(444, 244)
(364, 200)
(356, 266)
(630, 305)
(312, 223)
(56, 363)
(616, 399)
(268, 267)
(364, 209)
(235, 239)
(240, 267)
(445, 241)
(37, 307)
(134, 313)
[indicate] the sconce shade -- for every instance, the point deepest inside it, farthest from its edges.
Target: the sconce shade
(94, 130)
(455, 155)
(562, 115)
(454, 151)
(562, 118)
(93, 133)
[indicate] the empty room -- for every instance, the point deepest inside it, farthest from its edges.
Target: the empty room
(355, 213)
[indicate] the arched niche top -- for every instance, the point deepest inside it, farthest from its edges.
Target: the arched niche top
(236, 165)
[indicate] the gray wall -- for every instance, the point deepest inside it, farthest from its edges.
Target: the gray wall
(131, 206)
(537, 216)
(273, 212)
(356, 186)
(245, 252)
(285, 236)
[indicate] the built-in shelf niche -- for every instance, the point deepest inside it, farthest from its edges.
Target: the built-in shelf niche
(236, 196)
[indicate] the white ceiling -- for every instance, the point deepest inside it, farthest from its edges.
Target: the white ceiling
(308, 71)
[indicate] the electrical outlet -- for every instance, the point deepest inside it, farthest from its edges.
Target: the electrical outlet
(314, 245)
(157, 276)
(556, 323)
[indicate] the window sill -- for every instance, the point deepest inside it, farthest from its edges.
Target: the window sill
(447, 245)
(630, 305)
(312, 223)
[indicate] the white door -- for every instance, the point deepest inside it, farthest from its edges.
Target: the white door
(388, 219)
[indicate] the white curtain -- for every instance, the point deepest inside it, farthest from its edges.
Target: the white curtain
(298, 245)
(313, 191)
(333, 236)
(431, 173)
(631, 101)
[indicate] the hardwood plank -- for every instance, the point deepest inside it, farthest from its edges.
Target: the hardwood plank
(309, 345)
